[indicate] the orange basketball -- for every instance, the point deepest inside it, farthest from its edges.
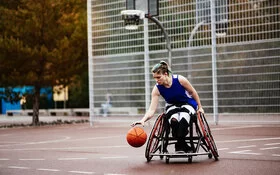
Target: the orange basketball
(136, 137)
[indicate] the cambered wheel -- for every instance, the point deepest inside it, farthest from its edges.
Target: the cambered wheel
(208, 136)
(154, 138)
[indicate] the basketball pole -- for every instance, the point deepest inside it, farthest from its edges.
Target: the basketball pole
(90, 64)
(197, 26)
(146, 64)
(214, 63)
(167, 39)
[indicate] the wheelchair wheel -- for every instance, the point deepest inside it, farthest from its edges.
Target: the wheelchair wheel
(154, 138)
(208, 136)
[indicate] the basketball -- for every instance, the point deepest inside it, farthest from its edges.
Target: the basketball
(136, 137)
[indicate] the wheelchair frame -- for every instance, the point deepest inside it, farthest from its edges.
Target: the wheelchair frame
(159, 139)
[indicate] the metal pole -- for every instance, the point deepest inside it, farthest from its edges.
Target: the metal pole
(214, 62)
(146, 64)
(90, 64)
(190, 44)
(168, 44)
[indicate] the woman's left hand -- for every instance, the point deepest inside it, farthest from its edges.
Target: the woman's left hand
(200, 110)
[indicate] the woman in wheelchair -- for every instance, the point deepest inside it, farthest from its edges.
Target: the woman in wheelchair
(182, 102)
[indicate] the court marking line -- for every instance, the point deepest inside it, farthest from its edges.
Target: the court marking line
(249, 140)
(67, 148)
(115, 157)
(4, 159)
(5, 135)
(34, 143)
(236, 127)
(96, 138)
(277, 155)
(31, 159)
(249, 146)
(81, 172)
(271, 144)
(221, 149)
(18, 167)
(74, 158)
(45, 169)
(244, 152)
(269, 148)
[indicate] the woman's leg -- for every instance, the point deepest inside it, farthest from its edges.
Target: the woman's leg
(180, 131)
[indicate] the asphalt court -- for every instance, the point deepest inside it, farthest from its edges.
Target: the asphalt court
(102, 149)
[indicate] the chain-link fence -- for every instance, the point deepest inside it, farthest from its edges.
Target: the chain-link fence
(247, 53)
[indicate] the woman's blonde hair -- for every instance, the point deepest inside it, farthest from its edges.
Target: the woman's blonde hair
(161, 68)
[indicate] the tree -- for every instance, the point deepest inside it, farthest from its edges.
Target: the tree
(41, 43)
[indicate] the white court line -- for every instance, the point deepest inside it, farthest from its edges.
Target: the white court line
(66, 148)
(31, 159)
(33, 143)
(221, 149)
(18, 167)
(249, 140)
(4, 159)
(237, 127)
(81, 172)
(270, 144)
(116, 157)
(249, 146)
(78, 158)
(269, 148)
(244, 152)
(97, 138)
(277, 155)
(43, 169)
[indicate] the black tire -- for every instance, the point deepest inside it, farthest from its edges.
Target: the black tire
(156, 134)
(208, 136)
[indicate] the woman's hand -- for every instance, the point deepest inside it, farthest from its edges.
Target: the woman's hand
(200, 109)
(138, 123)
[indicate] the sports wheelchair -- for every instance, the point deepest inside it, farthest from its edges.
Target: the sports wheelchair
(199, 137)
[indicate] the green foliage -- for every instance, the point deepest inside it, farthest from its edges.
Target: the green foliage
(42, 42)
(79, 92)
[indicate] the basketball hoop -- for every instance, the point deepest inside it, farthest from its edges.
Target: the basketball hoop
(132, 18)
(131, 27)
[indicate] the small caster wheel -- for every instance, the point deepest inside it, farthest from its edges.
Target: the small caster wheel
(190, 159)
(167, 160)
(210, 156)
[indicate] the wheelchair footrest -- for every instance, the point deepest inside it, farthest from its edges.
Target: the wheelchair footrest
(179, 154)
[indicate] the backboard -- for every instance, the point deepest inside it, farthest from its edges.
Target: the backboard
(150, 7)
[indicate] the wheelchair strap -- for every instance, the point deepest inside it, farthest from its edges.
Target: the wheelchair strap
(177, 108)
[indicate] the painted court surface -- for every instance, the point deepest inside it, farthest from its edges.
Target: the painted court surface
(244, 148)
